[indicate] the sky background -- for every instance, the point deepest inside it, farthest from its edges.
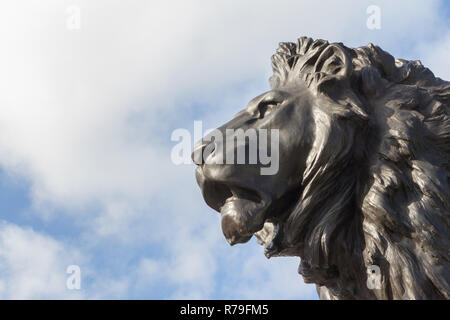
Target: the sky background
(86, 118)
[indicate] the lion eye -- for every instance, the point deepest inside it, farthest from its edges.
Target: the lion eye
(265, 108)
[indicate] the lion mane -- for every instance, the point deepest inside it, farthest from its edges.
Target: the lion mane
(376, 186)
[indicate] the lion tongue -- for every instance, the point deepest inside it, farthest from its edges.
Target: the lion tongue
(240, 219)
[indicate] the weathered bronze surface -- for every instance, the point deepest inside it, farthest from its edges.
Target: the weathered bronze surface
(363, 179)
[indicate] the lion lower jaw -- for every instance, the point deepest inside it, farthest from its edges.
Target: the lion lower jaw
(266, 234)
(241, 218)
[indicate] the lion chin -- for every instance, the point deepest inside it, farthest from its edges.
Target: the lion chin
(241, 218)
(242, 210)
(362, 190)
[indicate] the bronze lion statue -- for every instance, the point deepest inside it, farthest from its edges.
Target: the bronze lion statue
(362, 186)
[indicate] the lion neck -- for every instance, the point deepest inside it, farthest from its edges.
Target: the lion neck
(358, 212)
(331, 241)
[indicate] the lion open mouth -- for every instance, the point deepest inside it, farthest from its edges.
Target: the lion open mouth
(241, 218)
(247, 212)
(242, 209)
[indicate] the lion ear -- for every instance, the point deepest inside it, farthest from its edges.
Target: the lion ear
(333, 71)
(333, 66)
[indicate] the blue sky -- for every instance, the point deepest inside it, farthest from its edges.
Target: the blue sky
(85, 122)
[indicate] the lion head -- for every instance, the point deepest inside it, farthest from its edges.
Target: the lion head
(363, 173)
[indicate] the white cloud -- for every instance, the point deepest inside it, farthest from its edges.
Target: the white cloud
(86, 115)
(259, 278)
(33, 266)
(435, 55)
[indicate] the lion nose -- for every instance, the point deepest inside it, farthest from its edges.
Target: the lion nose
(201, 151)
